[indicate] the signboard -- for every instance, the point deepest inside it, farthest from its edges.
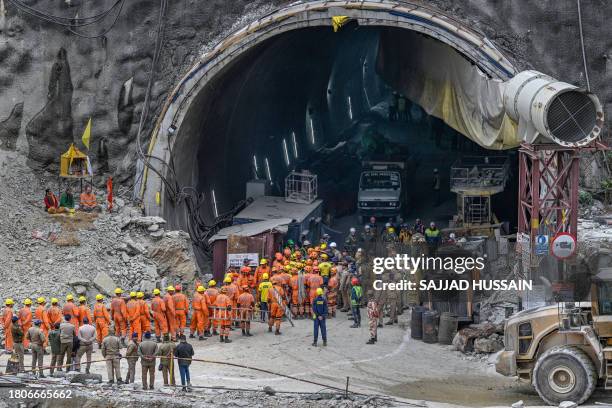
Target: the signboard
(542, 245)
(237, 260)
(563, 245)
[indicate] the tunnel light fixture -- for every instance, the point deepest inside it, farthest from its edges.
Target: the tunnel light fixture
(312, 132)
(214, 201)
(350, 107)
(286, 151)
(171, 130)
(268, 170)
(255, 166)
(294, 141)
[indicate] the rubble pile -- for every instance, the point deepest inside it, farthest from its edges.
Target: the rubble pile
(83, 254)
(480, 338)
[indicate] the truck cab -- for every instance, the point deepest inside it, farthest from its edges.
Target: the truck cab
(381, 192)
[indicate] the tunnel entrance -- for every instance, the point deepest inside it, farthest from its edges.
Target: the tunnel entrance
(289, 93)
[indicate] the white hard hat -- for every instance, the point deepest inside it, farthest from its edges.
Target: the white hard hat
(352, 229)
(333, 245)
(306, 242)
(388, 224)
(359, 250)
(367, 226)
(452, 235)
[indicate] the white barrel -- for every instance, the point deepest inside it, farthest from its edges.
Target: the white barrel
(568, 115)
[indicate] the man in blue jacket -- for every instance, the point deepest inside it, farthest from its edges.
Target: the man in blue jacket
(319, 315)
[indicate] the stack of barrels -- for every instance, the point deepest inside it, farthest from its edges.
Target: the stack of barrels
(433, 327)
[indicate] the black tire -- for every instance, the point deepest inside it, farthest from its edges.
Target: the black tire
(564, 373)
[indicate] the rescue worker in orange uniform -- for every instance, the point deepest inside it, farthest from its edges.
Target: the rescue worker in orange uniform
(332, 292)
(278, 260)
(307, 276)
(246, 302)
(276, 301)
(25, 319)
(298, 294)
(199, 317)
(243, 279)
(101, 320)
(262, 269)
(73, 310)
(170, 312)
(232, 294)
(181, 307)
(54, 313)
(315, 281)
(7, 323)
(223, 315)
(41, 314)
(84, 311)
(133, 316)
(119, 314)
(158, 306)
(212, 294)
(145, 313)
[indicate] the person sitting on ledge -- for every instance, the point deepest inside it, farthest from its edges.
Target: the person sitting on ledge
(88, 201)
(51, 203)
(67, 199)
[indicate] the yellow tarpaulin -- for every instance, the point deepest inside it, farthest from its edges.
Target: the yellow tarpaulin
(339, 21)
(74, 163)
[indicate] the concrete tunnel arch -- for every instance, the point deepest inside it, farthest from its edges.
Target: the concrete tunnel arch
(172, 124)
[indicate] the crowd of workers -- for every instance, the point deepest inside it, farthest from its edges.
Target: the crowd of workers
(301, 282)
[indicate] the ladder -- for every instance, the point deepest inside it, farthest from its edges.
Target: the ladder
(608, 383)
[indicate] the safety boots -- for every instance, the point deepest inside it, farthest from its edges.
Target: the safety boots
(269, 329)
(277, 332)
(243, 332)
(191, 336)
(227, 340)
(324, 343)
(157, 339)
(248, 333)
(201, 338)
(371, 341)
(207, 333)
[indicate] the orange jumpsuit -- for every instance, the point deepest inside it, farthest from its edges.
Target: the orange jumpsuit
(55, 315)
(7, 323)
(181, 307)
(212, 294)
(332, 294)
(101, 320)
(277, 306)
(243, 280)
(233, 292)
(307, 302)
(170, 315)
(297, 304)
(158, 306)
(41, 314)
(84, 312)
(245, 302)
(314, 282)
(119, 315)
(71, 309)
(223, 316)
(25, 321)
(259, 274)
(145, 316)
(133, 316)
(199, 319)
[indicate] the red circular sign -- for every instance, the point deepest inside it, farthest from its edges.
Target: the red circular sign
(563, 245)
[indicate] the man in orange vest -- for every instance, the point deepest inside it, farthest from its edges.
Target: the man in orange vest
(170, 312)
(181, 307)
(7, 323)
(246, 302)
(133, 316)
(212, 294)
(84, 311)
(263, 268)
(88, 200)
(101, 320)
(145, 313)
(41, 314)
(54, 313)
(71, 309)
(119, 314)
(232, 294)
(158, 306)
(199, 318)
(25, 319)
(223, 315)
(276, 299)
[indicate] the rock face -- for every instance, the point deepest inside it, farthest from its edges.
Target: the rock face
(9, 128)
(174, 257)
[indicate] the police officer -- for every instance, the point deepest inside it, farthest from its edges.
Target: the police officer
(319, 316)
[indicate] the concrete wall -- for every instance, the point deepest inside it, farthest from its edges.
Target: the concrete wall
(539, 34)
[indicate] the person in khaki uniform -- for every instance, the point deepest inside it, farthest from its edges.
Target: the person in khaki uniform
(147, 350)
(87, 336)
(131, 355)
(66, 339)
(37, 340)
(110, 351)
(166, 354)
(18, 349)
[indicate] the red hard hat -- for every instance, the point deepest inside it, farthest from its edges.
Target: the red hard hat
(355, 281)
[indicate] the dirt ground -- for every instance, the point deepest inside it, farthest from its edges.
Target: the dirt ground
(397, 366)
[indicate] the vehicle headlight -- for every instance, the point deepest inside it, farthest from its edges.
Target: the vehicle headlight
(363, 204)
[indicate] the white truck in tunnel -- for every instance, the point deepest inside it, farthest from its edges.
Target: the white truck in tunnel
(381, 190)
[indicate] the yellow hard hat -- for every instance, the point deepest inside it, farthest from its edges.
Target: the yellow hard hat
(132, 294)
(41, 300)
(323, 245)
(99, 296)
(391, 229)
(156, 291)
(69, 297)
(118, 291)
(287, 268)
(263, 261)
(9, 301)
(82, 299)
(227, 279)
(54, 300)
(201, 288)
(139, 295)
(319, 291)
(28, 301)
(170, 288)
(212, 282)
(265, 276)
(324, 256)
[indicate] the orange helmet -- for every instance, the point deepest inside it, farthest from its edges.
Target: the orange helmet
(354, 281)
(245, 269)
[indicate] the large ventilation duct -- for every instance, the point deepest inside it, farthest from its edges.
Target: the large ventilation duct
(555, 110)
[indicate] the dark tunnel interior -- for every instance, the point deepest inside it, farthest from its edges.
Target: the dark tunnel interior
(314, 99)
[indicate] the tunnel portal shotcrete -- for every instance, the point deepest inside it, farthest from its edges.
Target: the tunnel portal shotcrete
(288, 92)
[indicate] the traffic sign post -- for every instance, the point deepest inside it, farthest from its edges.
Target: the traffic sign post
(563, 245)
